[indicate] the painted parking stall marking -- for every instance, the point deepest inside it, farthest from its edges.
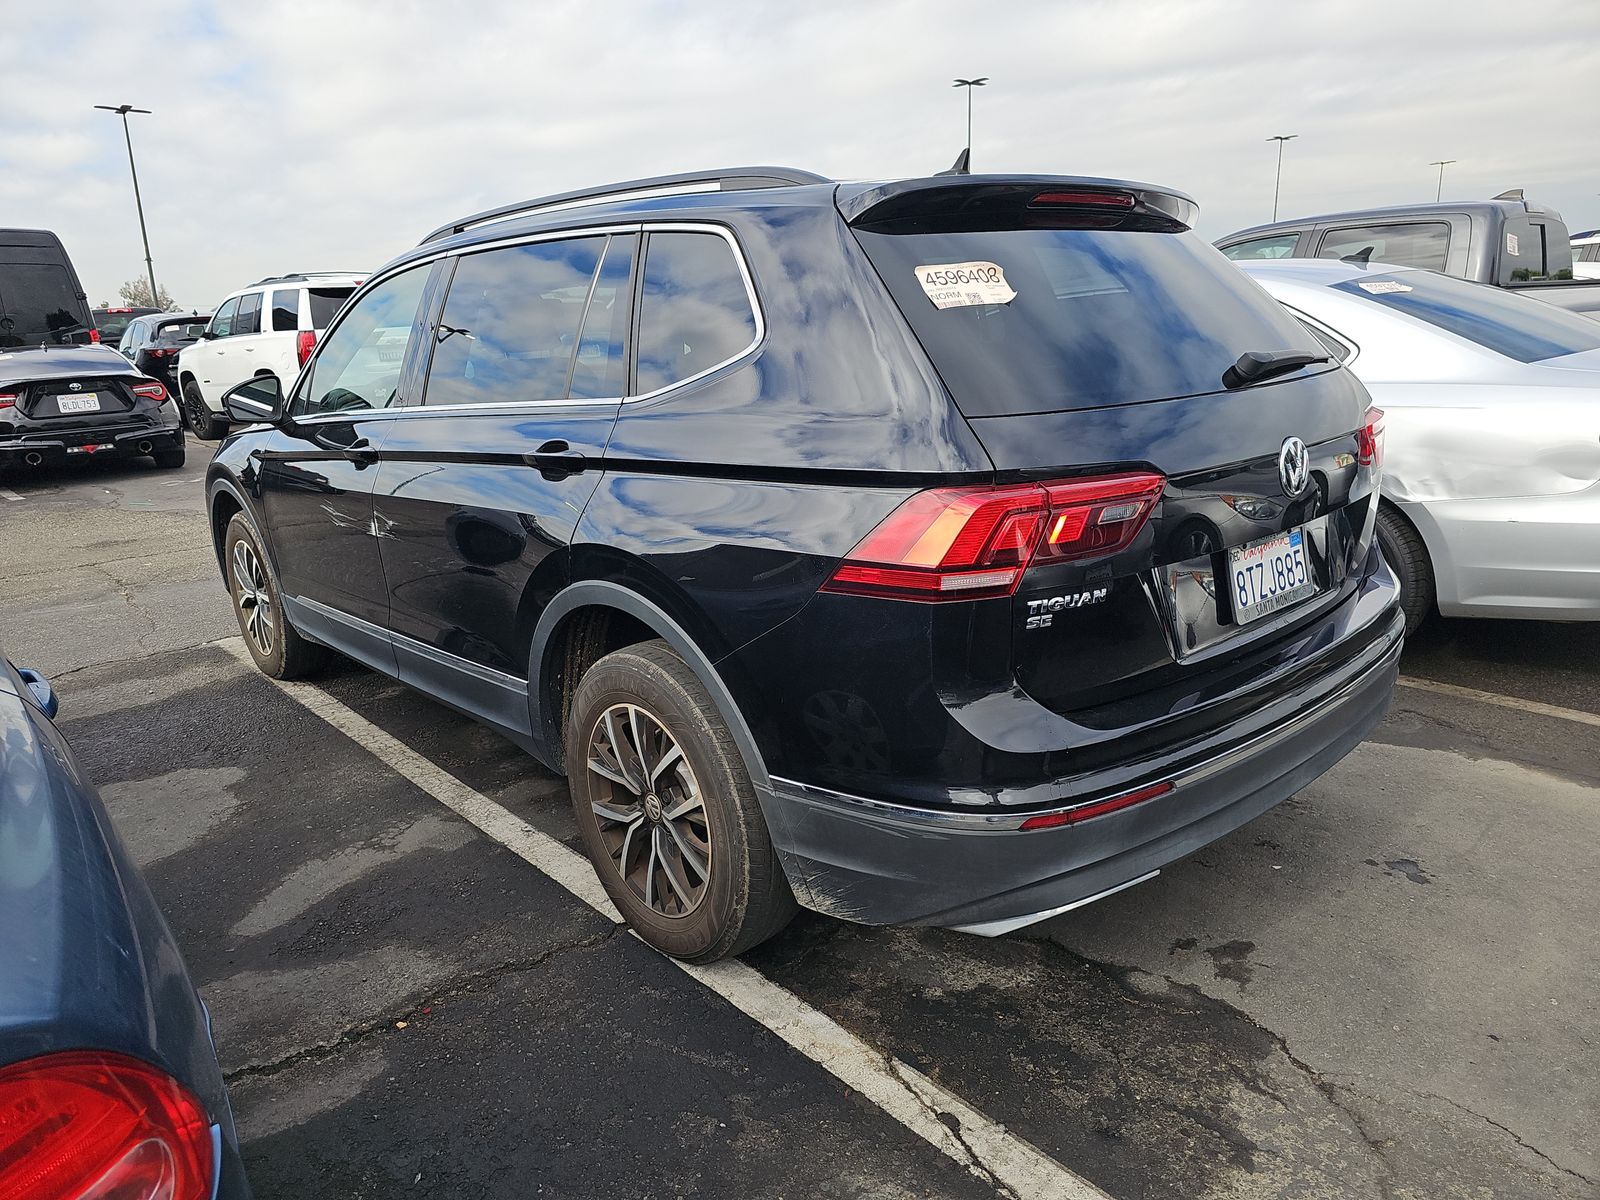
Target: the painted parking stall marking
(8, 494)
(989, 1150)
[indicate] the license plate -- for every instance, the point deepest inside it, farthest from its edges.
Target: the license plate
(89, 402)
(1268, 575)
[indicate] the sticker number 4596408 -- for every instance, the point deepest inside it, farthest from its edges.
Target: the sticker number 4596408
(952, 285)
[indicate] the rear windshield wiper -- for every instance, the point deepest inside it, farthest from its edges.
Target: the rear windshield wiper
(1256, 365)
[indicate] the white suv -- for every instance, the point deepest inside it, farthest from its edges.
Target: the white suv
(1586, 255)
(268, 328)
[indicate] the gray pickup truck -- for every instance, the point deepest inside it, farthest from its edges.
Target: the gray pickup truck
(1505, 242)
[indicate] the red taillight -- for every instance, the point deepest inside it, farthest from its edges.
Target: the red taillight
(1077, 199)
(1099, 808)
(150, 390)
(86, 1125)
(1369, 439)
(9, 399)
(969, 543)
(304, 343)
(94, 335)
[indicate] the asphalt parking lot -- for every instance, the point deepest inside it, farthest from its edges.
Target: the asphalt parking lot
(1386, 987)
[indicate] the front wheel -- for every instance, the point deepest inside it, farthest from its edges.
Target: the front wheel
(274, 644)
(206, 424)
(667, 811)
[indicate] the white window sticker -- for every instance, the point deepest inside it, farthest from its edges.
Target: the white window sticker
(955, 285)
(1382, 287)
(1511, 244)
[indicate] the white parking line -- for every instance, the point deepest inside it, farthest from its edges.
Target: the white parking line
(986, 1148)
(8, 494)
(1513, 702)
(180, 482)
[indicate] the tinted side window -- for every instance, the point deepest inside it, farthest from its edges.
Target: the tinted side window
(222, 323)
(325, 302)
(601, 370)
(1410, 244)
(509, 327)
(249, 318)
(359, 364)
(694, 313)
(286, 311)
(1278, 246)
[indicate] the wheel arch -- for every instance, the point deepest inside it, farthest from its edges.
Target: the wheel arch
(1445, 591)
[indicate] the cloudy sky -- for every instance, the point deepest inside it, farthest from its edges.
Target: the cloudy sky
(331, 135)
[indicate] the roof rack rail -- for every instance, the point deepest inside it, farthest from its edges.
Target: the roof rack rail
(296, 276)
(732, 179)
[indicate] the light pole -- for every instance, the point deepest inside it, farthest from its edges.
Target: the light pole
(969, 84)
(1280, 138)
(1441, 164)
(123, 110)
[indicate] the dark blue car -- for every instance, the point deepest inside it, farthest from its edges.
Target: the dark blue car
(109, 1085)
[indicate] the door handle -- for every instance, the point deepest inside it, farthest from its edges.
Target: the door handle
(360, 452)
(556, 460)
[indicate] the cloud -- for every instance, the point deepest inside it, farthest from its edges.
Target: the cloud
(332, 135)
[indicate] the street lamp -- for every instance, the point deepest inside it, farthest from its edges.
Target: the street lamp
(969, 84)
(1441, 164)
(1280, 138)
(123, 110)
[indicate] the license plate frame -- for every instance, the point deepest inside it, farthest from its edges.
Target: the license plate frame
(89, 402)
(1269, 575)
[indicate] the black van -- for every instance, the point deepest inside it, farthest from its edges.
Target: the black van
(41, 300)
(952, 551)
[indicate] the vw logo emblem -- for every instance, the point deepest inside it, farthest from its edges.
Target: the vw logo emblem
(75, 387)
(1294, 466)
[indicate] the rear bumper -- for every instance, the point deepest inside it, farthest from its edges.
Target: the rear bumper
(120, 440)
(885, 863)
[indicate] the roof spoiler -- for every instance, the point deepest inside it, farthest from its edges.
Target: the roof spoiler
(1018, 201)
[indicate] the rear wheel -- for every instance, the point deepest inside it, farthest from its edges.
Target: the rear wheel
(667, 810)
(1403, 548)
(274, 644)
(206, 424)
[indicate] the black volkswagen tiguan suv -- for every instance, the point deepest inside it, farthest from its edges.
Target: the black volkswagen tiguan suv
(952, 551)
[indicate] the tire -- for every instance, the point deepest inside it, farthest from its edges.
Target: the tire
(170, 460)
(274, 644)
(1403, 549)
(206, 425)
(718, 889)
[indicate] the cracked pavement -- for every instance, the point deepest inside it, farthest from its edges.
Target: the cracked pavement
(1386, 987)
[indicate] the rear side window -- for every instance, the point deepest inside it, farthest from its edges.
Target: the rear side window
(694, 310)
(1424, 244)
(1097, 317)
(1525, 329)
(249, 318)
(601, 370)
(38, 304)
(286, 311)
(1279, 245)
(509, 329)
(325, 302)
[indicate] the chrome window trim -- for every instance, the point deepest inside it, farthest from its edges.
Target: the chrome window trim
(512, 407)
(1349, 345)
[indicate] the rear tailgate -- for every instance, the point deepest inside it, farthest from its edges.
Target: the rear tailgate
(1089, 336)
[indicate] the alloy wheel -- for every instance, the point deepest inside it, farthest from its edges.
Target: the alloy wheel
(650, 809)
(251, 596)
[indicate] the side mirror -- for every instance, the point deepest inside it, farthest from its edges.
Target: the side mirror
(206, 335)
(258, 400)
(43, 694)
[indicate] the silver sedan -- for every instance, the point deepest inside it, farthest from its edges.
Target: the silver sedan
(1491, 488)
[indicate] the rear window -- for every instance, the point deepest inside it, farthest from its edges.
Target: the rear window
(1099, 317)
(39, 304)
(1516, 326)
(325, 302)
(1423, 244)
